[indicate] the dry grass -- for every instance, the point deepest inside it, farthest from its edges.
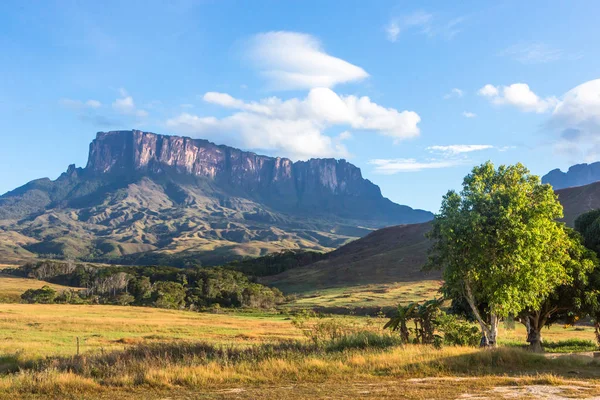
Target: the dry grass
(555, 333)
(374, 295)
(38, 330)
(12, 287)
(412, 372)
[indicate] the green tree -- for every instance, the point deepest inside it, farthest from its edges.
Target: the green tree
(588, 224)
(140, 288)
(168, 294)
(568, 301)
(499, 243)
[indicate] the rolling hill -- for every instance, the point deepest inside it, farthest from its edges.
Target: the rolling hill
(397, 253)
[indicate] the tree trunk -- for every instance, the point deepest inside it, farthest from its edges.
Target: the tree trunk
(534, 337)
(485, 331)
(494, 321)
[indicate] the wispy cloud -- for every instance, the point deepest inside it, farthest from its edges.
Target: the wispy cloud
(455, 149)
(424, 23)
(454, 93)
(394, 166)
(79, 104)
(535, 53)
(292, 60)
(468, 114)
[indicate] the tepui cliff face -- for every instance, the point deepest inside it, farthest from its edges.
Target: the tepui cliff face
(143, 152)
(143, 192)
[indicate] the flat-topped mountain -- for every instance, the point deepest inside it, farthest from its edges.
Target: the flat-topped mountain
(577, 175)
(142, 193)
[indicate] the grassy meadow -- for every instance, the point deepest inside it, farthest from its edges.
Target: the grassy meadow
(12, 287)
(132, 352)
(373, 295)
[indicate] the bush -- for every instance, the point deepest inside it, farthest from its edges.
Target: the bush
(457, 332)
(124, 299)
(45, 295)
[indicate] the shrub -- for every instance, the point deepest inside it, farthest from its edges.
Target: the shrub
(457, 332)
(124, 299)
(45, 295)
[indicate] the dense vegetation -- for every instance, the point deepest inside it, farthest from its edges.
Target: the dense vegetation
(275, 263)
(164, 287)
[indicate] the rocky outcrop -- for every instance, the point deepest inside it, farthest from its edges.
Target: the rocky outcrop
(316, 185)
(577, 175)
(125, 151)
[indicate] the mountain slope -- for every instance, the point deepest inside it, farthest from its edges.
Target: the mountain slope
(142, 192)
(577, 175)
(578, 200)
(391, 254)
(398, 253)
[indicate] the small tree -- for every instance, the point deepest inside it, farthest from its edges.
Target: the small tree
(168, 294)
(499, 243)
(424, 318)
(568, 301)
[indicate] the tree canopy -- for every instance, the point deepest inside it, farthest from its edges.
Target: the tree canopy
(499, 243)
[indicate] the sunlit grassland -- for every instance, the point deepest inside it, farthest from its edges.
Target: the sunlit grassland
(11, 287)
(39, 330)
(412, 371)
(375, 295)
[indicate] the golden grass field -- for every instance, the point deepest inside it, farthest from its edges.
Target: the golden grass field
(30, 332)
(39, 330)
(373, 295)
(11, 287)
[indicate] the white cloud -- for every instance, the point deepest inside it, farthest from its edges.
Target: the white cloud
(392, 30)
(126, 106)
(454, 93)
(394, 166)
(576, 120)
(93, 104)
(291, 60)
(488, 91)
(518, 95)
(455, 149)
(423, 23)
(533, 53)
(345, 135)
(468, 114)
(78, 104)
(295, 126)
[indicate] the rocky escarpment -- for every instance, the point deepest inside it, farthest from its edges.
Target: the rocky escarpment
(146, 193)
(316, 185)
(577, 175)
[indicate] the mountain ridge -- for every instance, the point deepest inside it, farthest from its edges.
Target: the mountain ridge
(576, 175)
(142, 192)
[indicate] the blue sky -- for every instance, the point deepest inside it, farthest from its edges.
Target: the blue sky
(414, 93)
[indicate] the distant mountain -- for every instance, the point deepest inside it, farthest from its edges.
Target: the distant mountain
(143, 193)
(398, 253)
(577, 175)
